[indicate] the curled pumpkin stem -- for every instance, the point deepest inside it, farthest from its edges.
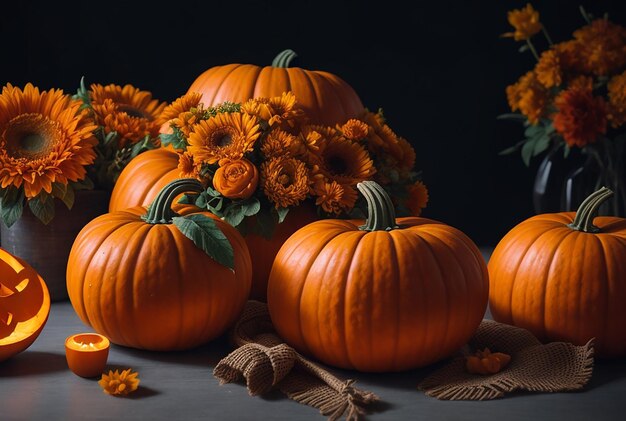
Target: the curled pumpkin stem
(486, 362)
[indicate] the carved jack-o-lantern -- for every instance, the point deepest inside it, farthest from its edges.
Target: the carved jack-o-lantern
(24, 305)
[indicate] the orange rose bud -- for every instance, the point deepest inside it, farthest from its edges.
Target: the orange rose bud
(236, 179)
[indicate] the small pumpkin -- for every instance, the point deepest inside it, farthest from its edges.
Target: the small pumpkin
(24, 305)
(142, 179)
(326, 98)
(562, 276)
(388, 295)
(136, 276)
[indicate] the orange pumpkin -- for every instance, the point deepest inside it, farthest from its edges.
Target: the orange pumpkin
(563, 278)
(143, 178)
(145, 284)
(150, 171)
(389, 295)
(326, 98)
(24, 305)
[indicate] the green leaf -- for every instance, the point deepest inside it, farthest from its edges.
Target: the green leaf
(213, 192)
(527, 151)
(65, 193)
(541, 144)
(251, 206)
(42, 207)
(523, 48)
(84, 184)
(282, 214)
(234, 214)
(265, 223)
(201, 200)
(511, 116)
(12, 206)
(188, 199)
(534, 131)
(215, 205)
(176, 139)
(566, 150)
(513, 148)
(206, 235)
(143, 145)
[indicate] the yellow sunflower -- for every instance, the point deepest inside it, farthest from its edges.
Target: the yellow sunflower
(131, 113)
(285, 181)
(227, 135)
(279, 143)
(346, 162)
(185, 103)
(333, 197)
(44, 139)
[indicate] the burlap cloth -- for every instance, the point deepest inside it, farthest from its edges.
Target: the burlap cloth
(265, 362)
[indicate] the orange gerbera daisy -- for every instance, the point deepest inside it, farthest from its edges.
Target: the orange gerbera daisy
(284, 110)
(132, 113)
(279, 143)
(346, 162)
(333, 197)
(285, 181)
(417, 198)
(44, 139)
(227, 135)
(617, 100)
(581, 117)
(525, 21)
(529, 97)
(186, 121)
(188, 167)
(602, 47)
(182, 104)
(355, 130)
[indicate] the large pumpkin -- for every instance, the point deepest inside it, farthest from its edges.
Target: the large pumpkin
(24, 305)
(564, 278)
(144, 284)
(150, 171)
(142, 179)
(389, 295)
(326, 98)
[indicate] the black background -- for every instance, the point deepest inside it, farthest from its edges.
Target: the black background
(438, 69)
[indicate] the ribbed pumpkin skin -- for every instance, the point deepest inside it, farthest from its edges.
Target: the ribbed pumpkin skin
(143, 178)
(378, 301)
(149, 287)
(326, 98)
(562, 284)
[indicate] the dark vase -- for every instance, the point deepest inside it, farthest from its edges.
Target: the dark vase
(562, 183)
(47, 247)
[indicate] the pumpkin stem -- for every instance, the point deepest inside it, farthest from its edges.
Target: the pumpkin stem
(284, 58)
(160, 211)
(588, 210)
(381, 215)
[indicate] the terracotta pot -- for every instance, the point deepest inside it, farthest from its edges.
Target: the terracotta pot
(47, 247)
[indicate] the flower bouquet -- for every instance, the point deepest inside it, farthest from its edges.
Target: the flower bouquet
(70, 149)
(573, 99)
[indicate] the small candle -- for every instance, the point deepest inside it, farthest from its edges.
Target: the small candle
(87, 354)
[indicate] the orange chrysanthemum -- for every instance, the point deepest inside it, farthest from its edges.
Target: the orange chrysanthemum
(333, 197)
(355, 130)
(285, 110)
(285, 181)
(119, 384)
(602, 47)
(346, 163)
(529, 97)
(417, 198)
(581, 117)
(525, 21)
(181, 105)
(132, 113)
(548, 70)
(617, 100)
(44, 139)
(227, 135)
(279, 143)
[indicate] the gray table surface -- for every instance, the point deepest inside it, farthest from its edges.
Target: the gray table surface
(37, 384)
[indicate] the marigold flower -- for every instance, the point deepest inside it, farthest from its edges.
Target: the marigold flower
(333, 197)
(548, 69)
(581, 117)
(119, 384)
(602, 47)
(279, 143)
(617, 100)
(236, 179)
(131, 113)
(525, 21)
(529, 97)
(227, 135)
(417, 198)
(285, 181)
(44, 139)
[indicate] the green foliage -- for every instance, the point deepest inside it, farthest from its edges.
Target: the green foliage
(206, 235)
